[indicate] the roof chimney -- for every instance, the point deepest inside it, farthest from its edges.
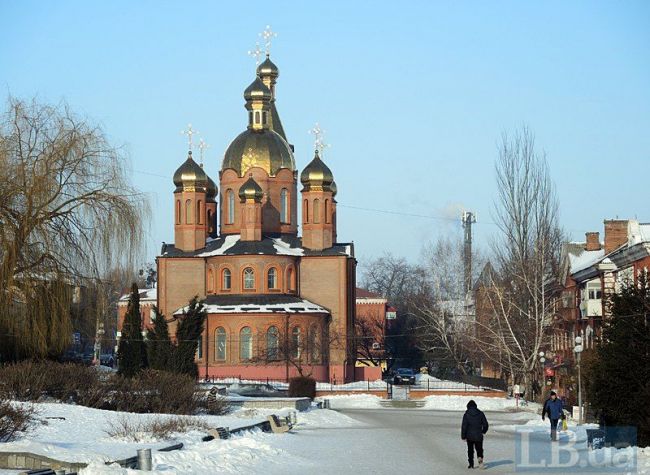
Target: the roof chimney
(615, 234)
(593, 241)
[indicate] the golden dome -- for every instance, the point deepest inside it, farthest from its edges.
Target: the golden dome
(334, 188)
(211, 189)
(190, 176)
(251, 190)
(257, 91)
(268, 68)
(263, 148)
(317, 176)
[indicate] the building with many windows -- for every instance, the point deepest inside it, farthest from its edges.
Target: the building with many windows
(277, 303)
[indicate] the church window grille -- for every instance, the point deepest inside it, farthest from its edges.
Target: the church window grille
(245, 344)
(305, 211)
(290, 279)
(199, 212)
(313, 344)
(296, 340)
(230, 195)
(249, 278)
(178, 211)
(284, 206)
(226, 279)
(220, 339)
(273, 343)
(272, 278)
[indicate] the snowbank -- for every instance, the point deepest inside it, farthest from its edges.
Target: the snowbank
(459, 403)
(353, 401)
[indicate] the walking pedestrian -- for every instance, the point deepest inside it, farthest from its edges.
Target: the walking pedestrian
(474, 426)
(553, 408)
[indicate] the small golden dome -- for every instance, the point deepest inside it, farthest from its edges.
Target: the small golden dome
(251, 190)
(268, 69)
(265, 149)
(317, 176)
(257, 91)
(211, 189)
(190, 176)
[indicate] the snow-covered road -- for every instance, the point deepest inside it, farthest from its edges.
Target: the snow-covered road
(412, 441)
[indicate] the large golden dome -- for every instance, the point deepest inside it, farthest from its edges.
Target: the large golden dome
(317, 176)
(264, 149)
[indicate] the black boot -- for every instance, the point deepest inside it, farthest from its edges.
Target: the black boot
(471, 464)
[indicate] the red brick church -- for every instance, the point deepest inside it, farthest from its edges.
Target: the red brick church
(277, 302)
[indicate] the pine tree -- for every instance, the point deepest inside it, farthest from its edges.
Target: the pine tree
(190, 328)
(132, 352)
(620, 389)
(159, 345)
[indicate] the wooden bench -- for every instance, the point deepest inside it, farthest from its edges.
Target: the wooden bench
(279, 426)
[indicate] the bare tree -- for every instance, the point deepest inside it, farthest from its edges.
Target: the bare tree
(522, 290)
(67, 212)
(370, 338)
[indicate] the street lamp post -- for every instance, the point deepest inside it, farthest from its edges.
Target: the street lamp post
(542, 359)
(578, 349)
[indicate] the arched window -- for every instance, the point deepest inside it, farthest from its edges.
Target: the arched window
(273, 343)
(295, 342)
(290, 279)
(210, 281)
(220, 344)
(199, 212)
(188, 212)
(230, 198)
(178, 211)
(313, 344)
(305, 211)
(249, 278)
(316, 211)
(226, 279)
(257, 117)
(210, 223)
(272, 278)
(245, 344)
(199, 348)
(284, 206)
(327, 211)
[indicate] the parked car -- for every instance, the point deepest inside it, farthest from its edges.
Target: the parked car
(404, 376)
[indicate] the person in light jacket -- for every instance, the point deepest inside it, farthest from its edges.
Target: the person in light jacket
(474, 426)
(553, 408)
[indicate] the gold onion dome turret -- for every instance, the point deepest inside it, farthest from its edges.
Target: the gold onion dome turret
(251, 190)
(259, 145)
(211, 189)
(334, 188)
(257, 91)
(268, 69)
(190, 176)
(317, 176)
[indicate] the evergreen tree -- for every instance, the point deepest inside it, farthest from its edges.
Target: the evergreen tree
(190, 328)
(620, 389)
(132, 352)
(159, 345)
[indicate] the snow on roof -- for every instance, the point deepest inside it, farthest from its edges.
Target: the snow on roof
(584, 260)
(284, 249)
(228, 242)
(645, 231)
(145, 295)
(303, 306)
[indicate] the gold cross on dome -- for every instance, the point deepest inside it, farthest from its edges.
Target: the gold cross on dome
(256, 53)
(203, 146)
(319, 143)
(267, 35)
(189, 132)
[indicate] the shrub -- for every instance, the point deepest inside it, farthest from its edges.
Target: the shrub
(154, 391)
(66, 382)
(154, 428)
(14, 419)
(302, 386)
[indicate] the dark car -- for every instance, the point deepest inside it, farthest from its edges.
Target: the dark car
(404, 376)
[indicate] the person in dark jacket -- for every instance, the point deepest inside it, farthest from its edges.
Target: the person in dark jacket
(474, 425)
(553, 408)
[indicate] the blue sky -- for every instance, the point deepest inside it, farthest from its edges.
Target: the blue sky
(413, 95)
